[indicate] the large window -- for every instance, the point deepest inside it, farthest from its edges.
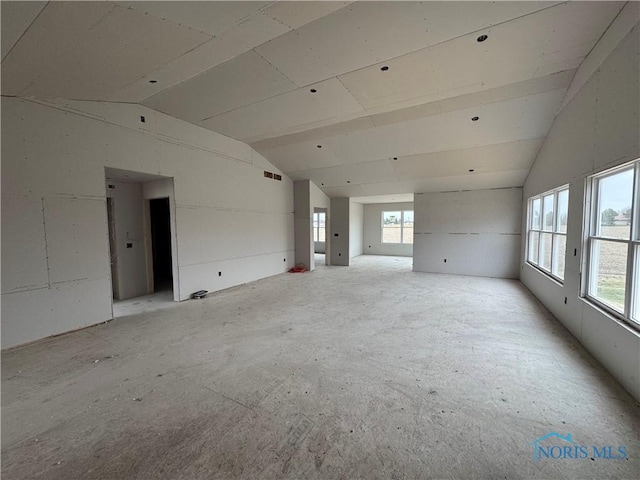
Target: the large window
(397, 227)
(613, 253)
(319, 226)
(547, 231)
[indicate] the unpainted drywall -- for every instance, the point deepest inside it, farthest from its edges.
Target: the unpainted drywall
(373, 230)
(339, 239)
(356, 228)
(597, 129)
(468, 233)
(130, 248)
(233, 225)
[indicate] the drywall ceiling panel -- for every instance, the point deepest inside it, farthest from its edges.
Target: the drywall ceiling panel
(344, 191)
(297, 14)
(101, 48)
(521, 118)
(624, 22)
(506, 92)
(252, 32)
(343, 175)
(360, 34)
(209, 17)
(489, 158)
(399, 198)
(241, 81)
(524, 88)
(74, 228)
(313, 134)
(16, 18)
(23, 228)
(285, 112)
(539, 44)
(302, 156)
(471, 181)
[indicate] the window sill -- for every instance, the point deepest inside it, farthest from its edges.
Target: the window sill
(551, 277)
(621, 320)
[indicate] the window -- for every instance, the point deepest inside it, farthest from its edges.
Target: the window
(397, 227)
(613, 250)
(319, 227)
(547, 232)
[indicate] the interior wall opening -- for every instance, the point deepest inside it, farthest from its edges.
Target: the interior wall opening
(319, 234)
(160, 226)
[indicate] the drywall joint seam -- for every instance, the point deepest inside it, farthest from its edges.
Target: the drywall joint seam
(232, 210)
(64, 108)
(46, 246)
(26, 288)
(265, 254)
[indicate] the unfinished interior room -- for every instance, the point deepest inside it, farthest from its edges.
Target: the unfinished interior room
(320, 240)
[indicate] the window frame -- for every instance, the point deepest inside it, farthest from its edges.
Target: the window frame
(315, 226)
(402, 228)
(541, 230)
(631, 311)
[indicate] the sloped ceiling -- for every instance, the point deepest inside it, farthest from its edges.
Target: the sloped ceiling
(362, 98)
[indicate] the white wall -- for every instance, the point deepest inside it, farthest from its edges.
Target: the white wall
(597, 129)
(339, 239)
(356, 228)
(373, 231)
(128, 219)
(55, 253)
(468, 233)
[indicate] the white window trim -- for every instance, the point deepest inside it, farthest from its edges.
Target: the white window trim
(401, 242)
(315, 227)
(554, 233)
(632, 285)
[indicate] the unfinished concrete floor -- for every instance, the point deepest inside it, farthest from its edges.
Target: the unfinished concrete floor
(370, 371)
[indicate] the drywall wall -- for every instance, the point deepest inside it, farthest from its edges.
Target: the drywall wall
(356, 228)
(597, 129)
(307, 197)
(233, 225)
(373, 231)
(339, 243)
(468, 233)
(130, 248)
(303, 221)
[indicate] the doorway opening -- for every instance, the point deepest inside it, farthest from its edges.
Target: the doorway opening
(319, 232)
(160, 225)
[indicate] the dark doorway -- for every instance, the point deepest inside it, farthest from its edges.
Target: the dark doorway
(161, 244)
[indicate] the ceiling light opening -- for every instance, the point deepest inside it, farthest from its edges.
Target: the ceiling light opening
(384, 68)
(153, 81)
(475, 119)
(471, 170)
(348, 181)
(395, 158)
(481, 38)
(319, 146)
(313, 90)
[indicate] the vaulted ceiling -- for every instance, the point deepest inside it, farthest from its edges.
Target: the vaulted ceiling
(362, 98)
